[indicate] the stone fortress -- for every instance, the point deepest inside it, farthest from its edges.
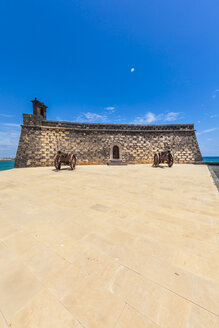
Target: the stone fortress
(93, 143)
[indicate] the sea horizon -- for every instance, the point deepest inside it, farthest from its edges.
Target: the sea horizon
(8, 164)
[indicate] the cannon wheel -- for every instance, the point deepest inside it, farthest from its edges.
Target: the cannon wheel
(57, 162)
(73, 162)
(156, 160)
(170, 160)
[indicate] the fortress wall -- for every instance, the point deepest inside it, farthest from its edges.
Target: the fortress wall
(41, 139)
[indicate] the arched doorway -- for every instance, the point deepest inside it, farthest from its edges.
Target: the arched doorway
(116, 155)
(116, 152)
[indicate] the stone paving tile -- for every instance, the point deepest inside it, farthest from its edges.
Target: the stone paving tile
(3, 323)
(199, 318)
(17, 288)
(94, 307)
(150, 299)
(84, 290)
(6, 228)
(8, 260)
(159, 304)
(132, 318)
(39, 259)
(89, 269)
(188, 261)
(44, 311)
(109, 247)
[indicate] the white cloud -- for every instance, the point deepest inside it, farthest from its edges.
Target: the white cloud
(171, 116)
(8, 143)
(207, 131)
(213, 116)
(215, 93)
(5, 115)
(8, 138)
(150, 117)
(110, 108)
(92, 118)
(11, 124)
(132, 69)
(147, 118)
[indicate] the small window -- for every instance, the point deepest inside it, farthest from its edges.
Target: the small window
(115, 152)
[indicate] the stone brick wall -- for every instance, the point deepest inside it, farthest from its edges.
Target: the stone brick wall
(41, 139)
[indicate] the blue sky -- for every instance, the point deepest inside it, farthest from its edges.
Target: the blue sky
(126, 61)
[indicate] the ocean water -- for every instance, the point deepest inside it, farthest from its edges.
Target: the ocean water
(211, 159)
(6, 165)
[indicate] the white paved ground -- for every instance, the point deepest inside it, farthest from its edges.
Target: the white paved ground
(115, 247)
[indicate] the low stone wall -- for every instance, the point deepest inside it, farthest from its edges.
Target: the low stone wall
(41, 139)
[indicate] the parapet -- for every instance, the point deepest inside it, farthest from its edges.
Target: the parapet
(37, 120)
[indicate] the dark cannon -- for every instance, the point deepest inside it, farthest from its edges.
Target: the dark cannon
(163, 157)
(66, 159)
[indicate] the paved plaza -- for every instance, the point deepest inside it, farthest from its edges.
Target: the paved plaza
(109, 247)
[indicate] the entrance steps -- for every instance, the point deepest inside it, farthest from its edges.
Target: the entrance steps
(116, 162)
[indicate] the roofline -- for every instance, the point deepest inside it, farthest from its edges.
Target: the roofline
(119, 124)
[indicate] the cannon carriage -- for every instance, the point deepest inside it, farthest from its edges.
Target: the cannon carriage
(66, 159)
(163, 157)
